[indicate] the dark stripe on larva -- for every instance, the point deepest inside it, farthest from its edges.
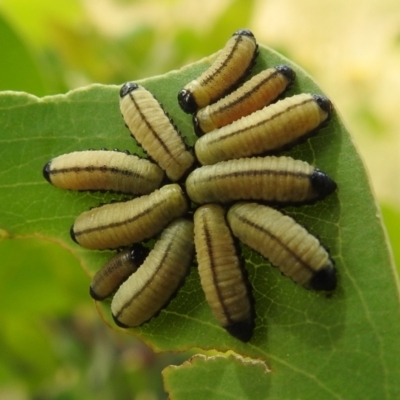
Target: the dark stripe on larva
(153, 132)
(97, 169)
(214, 76)
(246, 95)
(120, 223)
(260, 123)
(211, 259)
(228, 69)
(262, 229)
(254, 172)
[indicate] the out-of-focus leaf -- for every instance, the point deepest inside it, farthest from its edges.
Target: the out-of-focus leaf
(34, 18)
(18, 68)
(238, 12)
(313, 344)
(37, 286)
(391, 217)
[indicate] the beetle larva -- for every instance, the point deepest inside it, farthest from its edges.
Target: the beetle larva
(150, 288)
(258, 92)
(121, 224)
(152, 128)
(285, 243)
(270, 179)
(233, 62)
(265, 130)
(221, 273)
(105, 171)
(117, 270)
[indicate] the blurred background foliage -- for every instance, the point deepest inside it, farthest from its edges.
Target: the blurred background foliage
(57, 347)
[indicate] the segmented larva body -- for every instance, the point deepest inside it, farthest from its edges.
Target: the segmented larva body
(105, 171)
(149, 289)
(153, 129)
(256, 93)
(220, 271)
(117, 270)
(285, 243)
(115, 225)
(232, 64)
(266, 130)
(270, 179)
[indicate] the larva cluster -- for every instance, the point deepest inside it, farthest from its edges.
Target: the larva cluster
(233, 189)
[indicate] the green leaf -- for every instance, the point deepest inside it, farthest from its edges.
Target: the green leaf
(317, 346)
(391, 217)
(18, 68)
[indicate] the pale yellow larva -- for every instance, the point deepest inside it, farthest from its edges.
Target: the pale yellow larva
(104, 171)
(149, 289)
(265, 130)
(285, 243)
(115, 225)
(270, 179)
(256, 93)
(232, 63)
(221, 274)
(153, 129)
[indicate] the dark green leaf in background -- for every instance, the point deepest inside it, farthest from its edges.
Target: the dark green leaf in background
(317, 346)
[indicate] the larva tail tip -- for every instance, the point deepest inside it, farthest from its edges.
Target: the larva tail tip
(242, 330)
(72, 234)
(127, 88)
(187, 101)
(286, 71)
(324, 103)
(243, 32)
(322, 183)
(94, 295)
(119, 323)
(324, 279)
(46, 172)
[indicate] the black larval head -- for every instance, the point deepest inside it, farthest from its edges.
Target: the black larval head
(322, 183)
(324, 279)
(72, 234)
(243, 32)
(127, 88)
(138, 253)
(46, 172)
(287, 72)
(324, 103)
(94, 295)
(187, 102)
(119, 323)
(196, 125)
(241, 330)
